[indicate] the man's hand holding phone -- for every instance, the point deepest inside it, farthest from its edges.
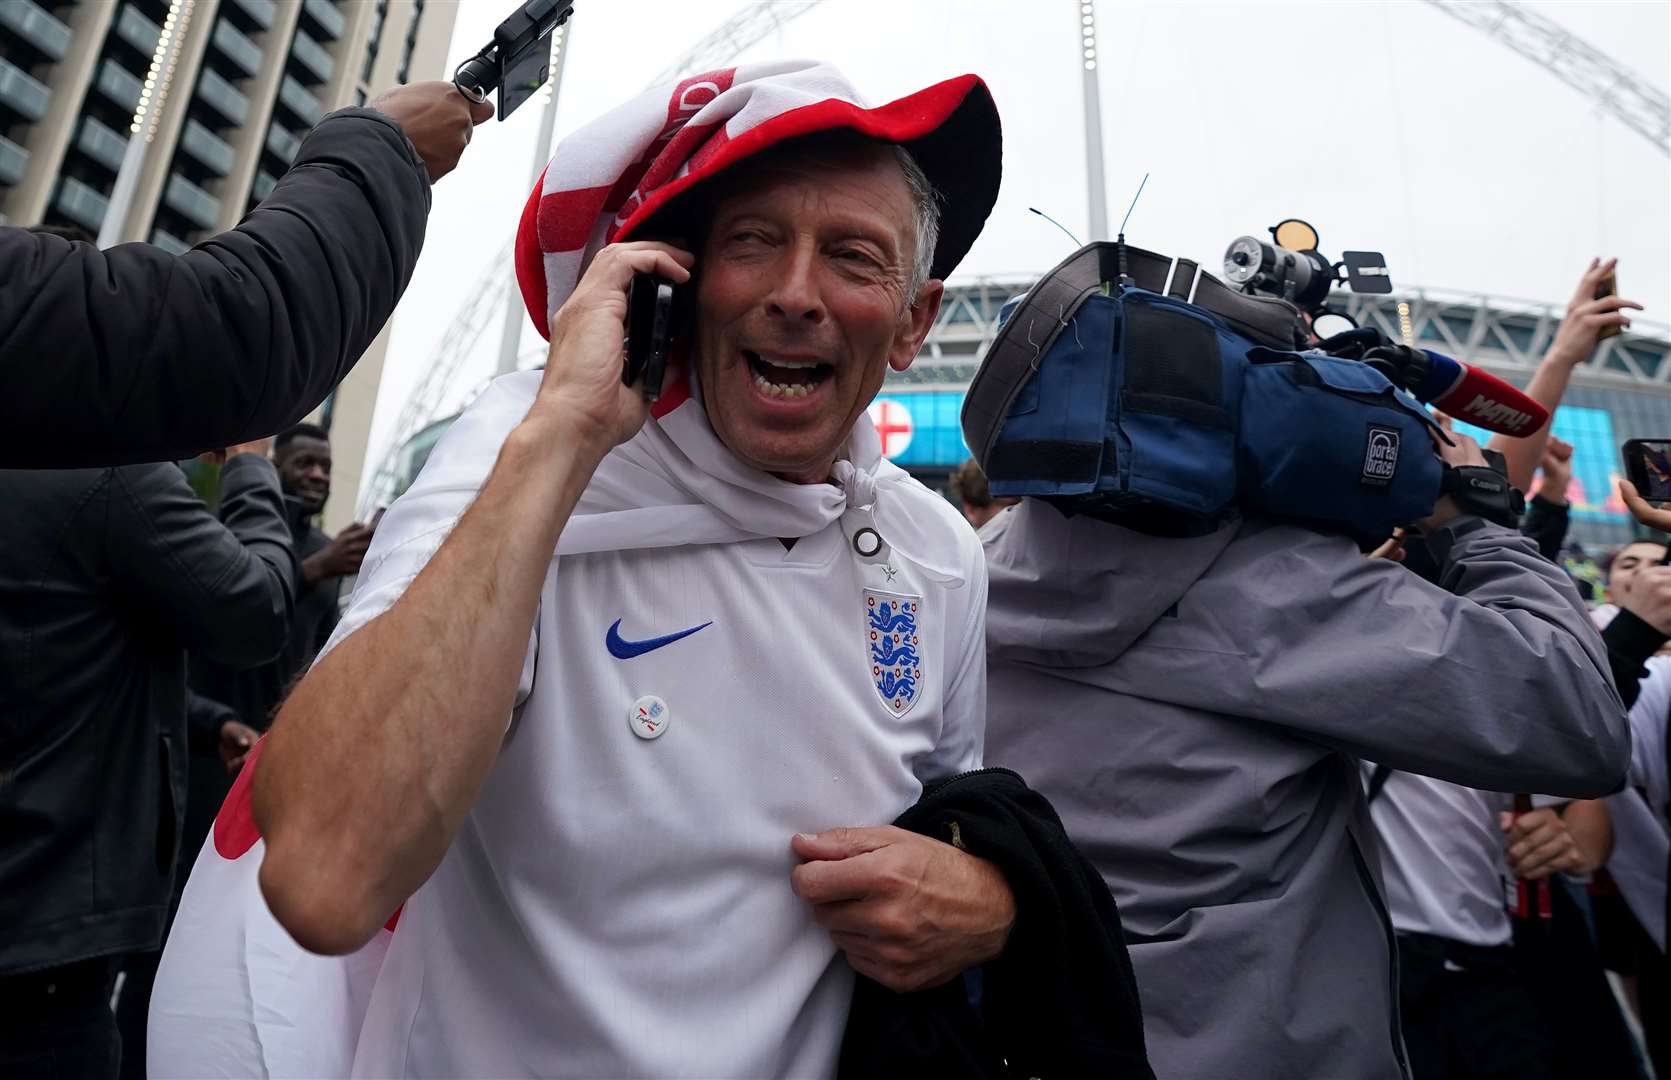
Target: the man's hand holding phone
(582, 388)
(1595, 312)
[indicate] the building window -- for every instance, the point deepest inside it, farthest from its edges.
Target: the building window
(373, 39)
(411, 40)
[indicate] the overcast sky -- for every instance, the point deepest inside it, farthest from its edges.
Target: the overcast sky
(1389, 126)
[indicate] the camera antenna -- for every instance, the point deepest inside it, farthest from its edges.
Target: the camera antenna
(1056, 223)
(1120, 238)
(1140, 186)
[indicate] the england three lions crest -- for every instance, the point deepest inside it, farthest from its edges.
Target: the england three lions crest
(896, 666)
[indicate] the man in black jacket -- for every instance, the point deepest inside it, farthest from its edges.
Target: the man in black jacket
(302, 455)
(109, 576)
(133, 354)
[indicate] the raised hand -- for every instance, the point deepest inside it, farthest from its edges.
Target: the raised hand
(437, 118)
(582, 386)
(1586, 316)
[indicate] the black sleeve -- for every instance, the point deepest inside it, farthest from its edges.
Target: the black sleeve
(1630, 642)
(1062, 999)
(204, 719)
(224, 590)
(328, 623)
(133, 354)
(1546, 524)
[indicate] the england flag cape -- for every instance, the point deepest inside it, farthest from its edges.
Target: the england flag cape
(234, 994)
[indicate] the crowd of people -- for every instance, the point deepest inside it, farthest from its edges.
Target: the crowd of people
(692, 737)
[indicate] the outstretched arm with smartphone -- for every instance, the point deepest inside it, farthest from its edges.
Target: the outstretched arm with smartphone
(1595, 312)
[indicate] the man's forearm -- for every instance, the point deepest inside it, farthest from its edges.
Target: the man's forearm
(1630, 641)
(378, 755)
(1548, 386)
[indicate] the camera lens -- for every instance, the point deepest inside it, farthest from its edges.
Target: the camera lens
(1243, 259)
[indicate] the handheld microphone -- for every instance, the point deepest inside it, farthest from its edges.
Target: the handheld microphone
(1467, 393)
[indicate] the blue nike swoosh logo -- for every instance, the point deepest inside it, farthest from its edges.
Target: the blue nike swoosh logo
(622, 649)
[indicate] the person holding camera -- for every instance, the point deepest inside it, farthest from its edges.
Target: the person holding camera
(1196, 707)
(133, 354)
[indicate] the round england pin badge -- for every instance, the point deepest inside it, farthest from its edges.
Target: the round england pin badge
(648, 717)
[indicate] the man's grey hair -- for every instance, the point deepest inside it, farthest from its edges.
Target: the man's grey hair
(926, 207)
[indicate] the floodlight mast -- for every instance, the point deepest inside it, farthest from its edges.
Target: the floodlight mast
(1095, 187)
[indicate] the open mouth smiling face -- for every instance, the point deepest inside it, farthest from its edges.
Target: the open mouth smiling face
(803, 303)
(777, 375)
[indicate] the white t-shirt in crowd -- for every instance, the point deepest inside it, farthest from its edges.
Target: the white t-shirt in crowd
(1649, 716)
(1442, 857)
(617, 905)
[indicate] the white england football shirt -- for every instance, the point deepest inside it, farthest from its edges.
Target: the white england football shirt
(617, 905)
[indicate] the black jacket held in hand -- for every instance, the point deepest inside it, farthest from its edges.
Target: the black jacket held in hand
(108, 577)
(133, 354)
(1061, 1002)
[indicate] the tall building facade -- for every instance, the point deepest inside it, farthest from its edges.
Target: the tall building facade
(167, 120)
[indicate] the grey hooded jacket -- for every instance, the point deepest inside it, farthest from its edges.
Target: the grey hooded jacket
(1193, 709)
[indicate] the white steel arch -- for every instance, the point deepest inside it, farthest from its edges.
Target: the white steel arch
(1627, 97)
(731, 38)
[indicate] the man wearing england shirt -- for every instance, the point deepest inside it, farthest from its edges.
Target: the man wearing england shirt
(626, 696)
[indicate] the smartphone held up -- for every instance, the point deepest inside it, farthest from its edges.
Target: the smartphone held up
(1605, 288)
(1648, 467)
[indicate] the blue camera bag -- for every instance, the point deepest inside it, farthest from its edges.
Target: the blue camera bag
(1144, 407)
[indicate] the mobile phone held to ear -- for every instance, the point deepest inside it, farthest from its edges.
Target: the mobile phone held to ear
(1607, 287)
(1648, 465)
(651, 319)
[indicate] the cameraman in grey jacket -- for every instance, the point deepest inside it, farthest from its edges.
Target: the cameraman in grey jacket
(1194, 708)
